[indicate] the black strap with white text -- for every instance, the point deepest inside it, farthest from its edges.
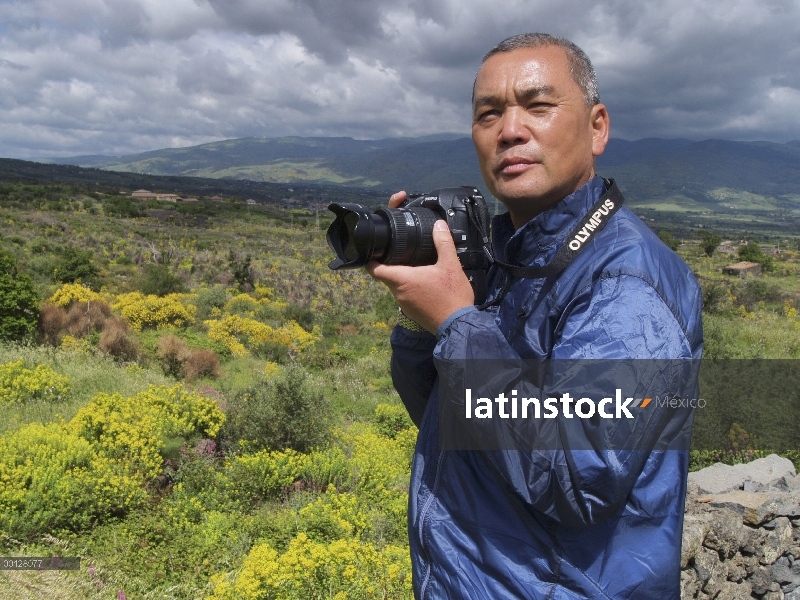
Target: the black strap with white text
(592, 223)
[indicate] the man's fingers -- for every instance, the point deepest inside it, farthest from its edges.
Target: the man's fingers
(443, 240)
(391, 275)
(397, 199)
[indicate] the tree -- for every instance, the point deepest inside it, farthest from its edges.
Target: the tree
(242, 270)
(19, 306)
(753, 253)
(285, 412)
(668, 239)
(709, 241)
(76, 265)
(160, 281)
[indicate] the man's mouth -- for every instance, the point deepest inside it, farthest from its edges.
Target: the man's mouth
(514, 164)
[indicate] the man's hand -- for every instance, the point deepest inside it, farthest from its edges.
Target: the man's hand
(431, 293)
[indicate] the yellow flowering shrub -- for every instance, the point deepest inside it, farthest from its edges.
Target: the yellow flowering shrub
(154, 312)
(134, 429)
(380, 464)
(265, 474)
(345, 569)
(271, 369)
(53, 478)
(70, 475)
(238, 333)
(72, 344)
(243, 304)
(262, 292)
(73, 292)
(335, 516)
(18, 384)
(391, 419)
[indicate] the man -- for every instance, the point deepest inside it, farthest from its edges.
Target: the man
(556, 523)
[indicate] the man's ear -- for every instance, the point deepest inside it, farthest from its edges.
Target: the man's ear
(600, 123)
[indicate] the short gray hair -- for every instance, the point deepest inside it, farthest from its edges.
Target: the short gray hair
(580, 67)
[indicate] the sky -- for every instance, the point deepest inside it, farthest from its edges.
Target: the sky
(123, 76)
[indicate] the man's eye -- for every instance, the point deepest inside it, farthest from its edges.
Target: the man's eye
(487, 114)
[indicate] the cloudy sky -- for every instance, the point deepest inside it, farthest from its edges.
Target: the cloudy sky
(123, 76)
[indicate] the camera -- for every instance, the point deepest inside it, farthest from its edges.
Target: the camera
(404, 235)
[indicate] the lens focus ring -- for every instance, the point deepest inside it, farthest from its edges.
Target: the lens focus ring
(412, 236)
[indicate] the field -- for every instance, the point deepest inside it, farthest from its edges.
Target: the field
(204, 409)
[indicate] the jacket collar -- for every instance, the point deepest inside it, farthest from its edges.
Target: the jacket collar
(536, 242)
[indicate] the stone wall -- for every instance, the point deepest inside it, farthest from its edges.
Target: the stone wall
(741, 534)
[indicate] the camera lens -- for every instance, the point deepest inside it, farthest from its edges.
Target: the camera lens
(395, 236)
(412, 239)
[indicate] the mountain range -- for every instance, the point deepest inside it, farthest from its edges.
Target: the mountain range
(650, 170)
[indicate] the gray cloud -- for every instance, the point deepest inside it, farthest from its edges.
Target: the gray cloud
(120, 76)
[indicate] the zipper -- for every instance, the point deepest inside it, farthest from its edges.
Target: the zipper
(422, 515)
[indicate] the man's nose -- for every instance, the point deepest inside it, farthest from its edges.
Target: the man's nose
(513, 130)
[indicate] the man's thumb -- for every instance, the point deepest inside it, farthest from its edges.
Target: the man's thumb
(445, 247)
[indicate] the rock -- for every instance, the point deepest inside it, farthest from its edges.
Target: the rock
(774, 593)
(782, 574)
(689, 584)
(711, 571)
(725, 534)
(755, 507)
(753, 543)
(750, 564)
(736, 569)
(778, 541)
(735, 591)
(788, 504)
(694, 531)
(720, 478)
(761, 580)
(795, 595)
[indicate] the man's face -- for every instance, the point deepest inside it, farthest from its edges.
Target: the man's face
(536, 139)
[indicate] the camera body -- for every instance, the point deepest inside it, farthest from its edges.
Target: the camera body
(404, 235)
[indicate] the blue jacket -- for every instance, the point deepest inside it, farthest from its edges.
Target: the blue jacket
(553, 524)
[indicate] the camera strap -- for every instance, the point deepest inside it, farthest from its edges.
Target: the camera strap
(589, 226)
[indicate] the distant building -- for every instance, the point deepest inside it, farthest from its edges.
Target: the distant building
(216, 198)
(148, 195)
(726, 247)
(743, 269)
(188, 200)
(251, 202)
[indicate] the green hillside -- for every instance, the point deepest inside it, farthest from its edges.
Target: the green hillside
(671, 175)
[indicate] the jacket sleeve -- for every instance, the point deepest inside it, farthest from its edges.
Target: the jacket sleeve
(413, 371)
(570, 477)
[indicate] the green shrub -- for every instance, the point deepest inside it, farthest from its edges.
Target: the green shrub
(158, 280)
(302, 315)
(390, 419)
(272, 351)
(209, 299)
(76, 265)
(668, 239)
(716, 297)
(285, 412)
(19, 305)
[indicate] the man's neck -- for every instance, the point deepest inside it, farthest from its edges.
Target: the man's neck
(537, 207)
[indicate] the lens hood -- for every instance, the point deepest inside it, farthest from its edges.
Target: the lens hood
(356, 236)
